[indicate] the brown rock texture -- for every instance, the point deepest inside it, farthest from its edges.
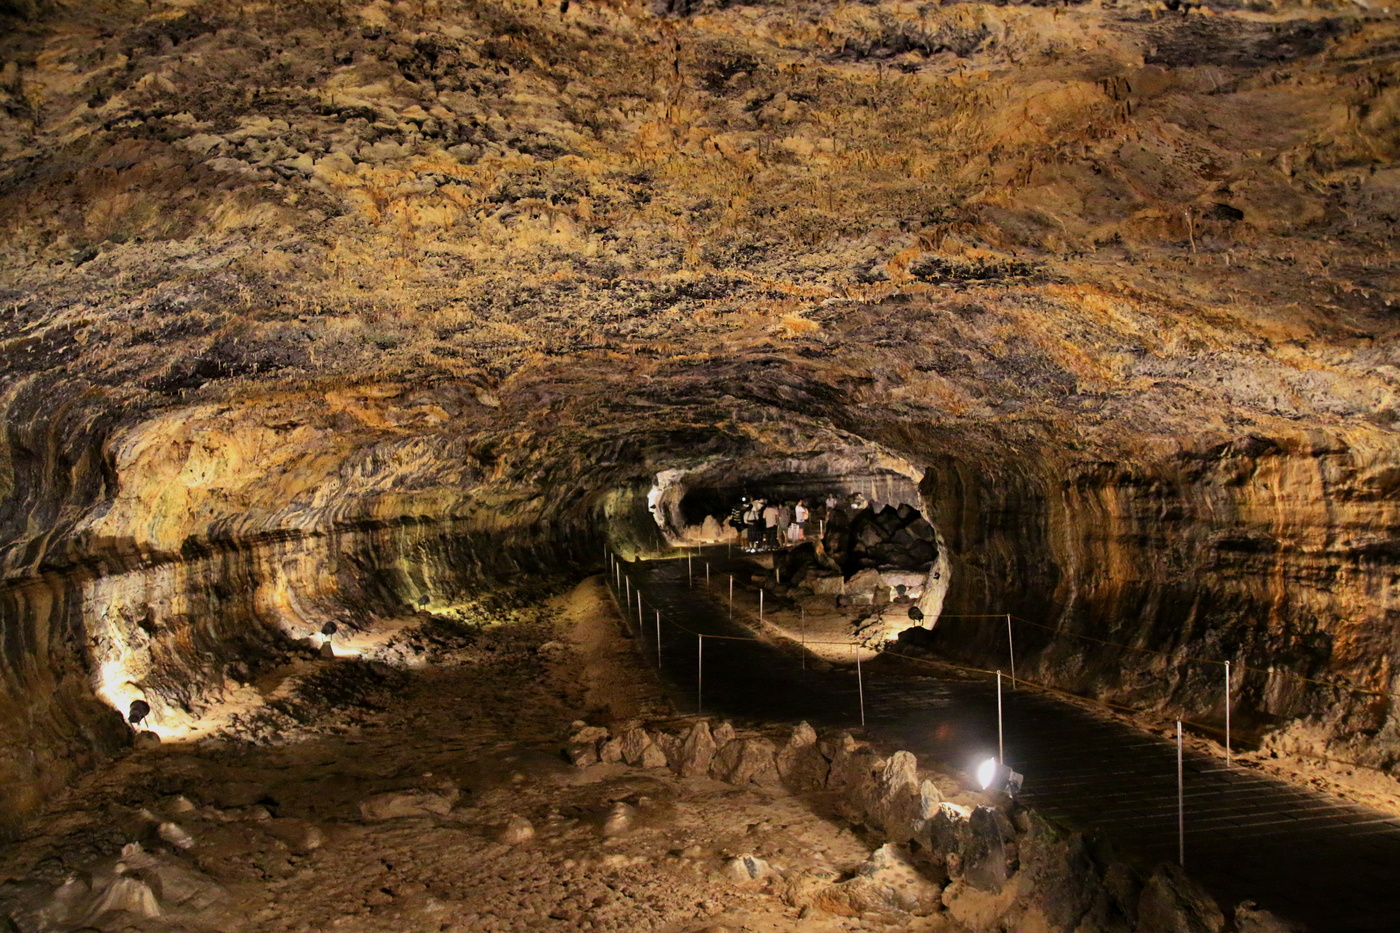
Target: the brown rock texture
(330, 311)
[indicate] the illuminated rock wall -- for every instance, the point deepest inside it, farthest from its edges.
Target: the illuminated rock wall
(1276, 555)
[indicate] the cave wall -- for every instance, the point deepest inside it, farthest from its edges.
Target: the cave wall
(1277, 554)
(178, 633)
(195, 547)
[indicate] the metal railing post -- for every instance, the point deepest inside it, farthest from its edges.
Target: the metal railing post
(1011, 649)
(860, 686)
(1180, 802)
(1227, 714)
(700, 676)
(1001, 743)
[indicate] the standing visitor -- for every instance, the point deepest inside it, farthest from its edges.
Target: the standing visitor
(754, 520)
(800, 516)
(770, 525)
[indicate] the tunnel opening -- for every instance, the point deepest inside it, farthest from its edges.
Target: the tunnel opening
(841, 532)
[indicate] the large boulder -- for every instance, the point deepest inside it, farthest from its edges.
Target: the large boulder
(801, 764)
(897, 806)
(869, 536)
(723, 734)
(989, 851)
(866, 581)
(671, 747)
(921, 530)
(1065, 882)
(746, 761)
(852, 763)
(825, 584)
(582, 748)
(944, 836)
(697, 751)
(888, 521)
(1173, 903)
(635, 743)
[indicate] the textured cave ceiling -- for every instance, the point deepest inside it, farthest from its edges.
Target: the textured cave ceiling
(386, 249)
(393, 251)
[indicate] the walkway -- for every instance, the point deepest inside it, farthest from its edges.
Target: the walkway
(1299, 853)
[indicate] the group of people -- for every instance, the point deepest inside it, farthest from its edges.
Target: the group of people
(764, 524)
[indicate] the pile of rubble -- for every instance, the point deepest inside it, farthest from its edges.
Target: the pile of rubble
(872, 558)
(985, 867)
(887, 538)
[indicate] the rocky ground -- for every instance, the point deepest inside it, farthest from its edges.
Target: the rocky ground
(436, 798)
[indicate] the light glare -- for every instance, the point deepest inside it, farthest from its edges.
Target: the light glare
(987, 773)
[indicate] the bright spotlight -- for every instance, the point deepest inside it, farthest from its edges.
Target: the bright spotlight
(987, 773)
(998, 778)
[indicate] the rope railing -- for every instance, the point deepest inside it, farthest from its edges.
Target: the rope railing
(1234, 665)
(1201, 727)
(620, 581)
(1228, 667)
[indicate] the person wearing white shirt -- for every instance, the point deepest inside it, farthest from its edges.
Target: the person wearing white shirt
(770, 524)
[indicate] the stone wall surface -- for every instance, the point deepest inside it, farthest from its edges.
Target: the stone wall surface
(309, 310)
(1273, 554)
(225, 544)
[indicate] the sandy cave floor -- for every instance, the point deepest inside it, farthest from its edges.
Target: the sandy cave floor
(269, 836)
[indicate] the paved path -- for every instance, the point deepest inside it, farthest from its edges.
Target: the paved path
(1305, 855)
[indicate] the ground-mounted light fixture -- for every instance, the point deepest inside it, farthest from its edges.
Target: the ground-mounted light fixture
(997, 778)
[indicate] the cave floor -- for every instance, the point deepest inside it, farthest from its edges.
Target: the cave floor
(1249, 835)
(269, 835)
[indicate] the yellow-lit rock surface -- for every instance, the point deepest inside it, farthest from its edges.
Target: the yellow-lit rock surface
(323, 310)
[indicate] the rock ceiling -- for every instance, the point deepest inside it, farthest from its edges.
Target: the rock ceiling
(1087, 222)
